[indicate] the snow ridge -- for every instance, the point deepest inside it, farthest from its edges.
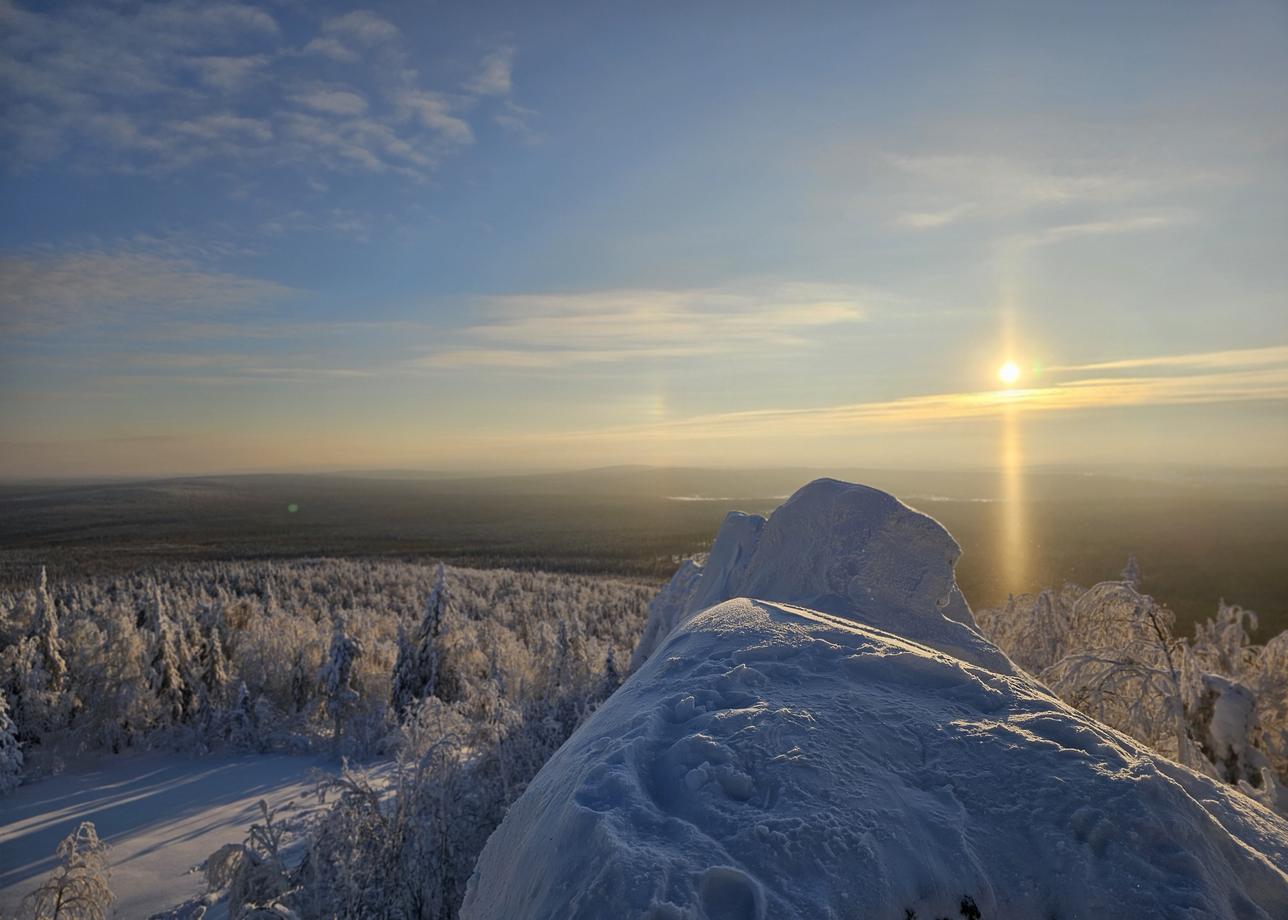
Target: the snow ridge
(838, 741)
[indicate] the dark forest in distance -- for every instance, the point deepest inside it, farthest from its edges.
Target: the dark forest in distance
(1197, 538)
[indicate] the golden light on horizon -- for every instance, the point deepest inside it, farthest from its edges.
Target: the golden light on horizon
(1009, 373)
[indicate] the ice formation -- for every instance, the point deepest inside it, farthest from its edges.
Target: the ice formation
(816, 730)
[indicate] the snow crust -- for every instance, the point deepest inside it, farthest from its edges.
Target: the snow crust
(819, 732)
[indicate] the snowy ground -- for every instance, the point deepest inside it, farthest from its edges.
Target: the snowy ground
(161, 814)
(834, 739)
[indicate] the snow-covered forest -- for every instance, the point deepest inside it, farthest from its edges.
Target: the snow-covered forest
(462, 683)
(468, 680)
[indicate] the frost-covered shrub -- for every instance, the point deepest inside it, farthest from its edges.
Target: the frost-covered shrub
(260, 879)
(1124, 667)
(1217, 702)
(78, 888)
(1034, 629)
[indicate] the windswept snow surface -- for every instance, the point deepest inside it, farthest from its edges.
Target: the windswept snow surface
(161, 814)
(841, 743)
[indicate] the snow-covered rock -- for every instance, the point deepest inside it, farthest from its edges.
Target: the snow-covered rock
(667, 609)
(842, 549)
(832, 739)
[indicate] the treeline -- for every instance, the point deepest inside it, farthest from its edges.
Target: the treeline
(1216, 701)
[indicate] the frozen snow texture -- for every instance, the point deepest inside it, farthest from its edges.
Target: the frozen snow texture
(667, 609)
(842, 549)
(842, 743)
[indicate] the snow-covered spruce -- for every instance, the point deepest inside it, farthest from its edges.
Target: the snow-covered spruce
(828, 736)
(10, 750)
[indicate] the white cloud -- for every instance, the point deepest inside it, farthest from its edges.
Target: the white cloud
(1002, 184)
(1111, 227)
(362, 26)
(554, 330)
(216, 127)
(334, 101)
(44, 291)
(1249, 375)
(922, 220)
(517, 120)
(434, 110)
(493, 78)
(162, 87)
(333, 49)
(1052, 195)
(1239, 357)
(230, 74)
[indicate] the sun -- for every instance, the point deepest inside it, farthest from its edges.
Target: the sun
(1009, 373)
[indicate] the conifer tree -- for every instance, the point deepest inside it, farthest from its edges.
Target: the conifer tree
(172, 691)
(337, 673)
(45, 630)
(215, 667)
(10, 751)
(1131, 572)
(417, 671)
(243, 728)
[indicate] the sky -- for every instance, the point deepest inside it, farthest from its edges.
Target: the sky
(493, 236)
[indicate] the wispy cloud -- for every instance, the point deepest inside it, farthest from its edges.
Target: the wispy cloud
(922, 220)
(362, 27)
(1240, 357)
(333, 101)
(44, 291)
(493, 78)
(1142, 223)
(164, 87)
(552, 330)
(961, 186)
(1037, 197)
(1215, 377)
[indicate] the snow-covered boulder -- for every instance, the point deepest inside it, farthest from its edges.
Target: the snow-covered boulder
(834, 740)
(667, 609)
(841, 549)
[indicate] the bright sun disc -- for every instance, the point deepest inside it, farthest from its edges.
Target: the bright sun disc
(1008, 373)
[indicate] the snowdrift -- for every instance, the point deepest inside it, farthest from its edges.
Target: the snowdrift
(816, 730)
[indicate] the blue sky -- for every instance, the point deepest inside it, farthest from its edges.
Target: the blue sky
(490, 236)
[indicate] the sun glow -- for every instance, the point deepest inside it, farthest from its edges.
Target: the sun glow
(1009, 373)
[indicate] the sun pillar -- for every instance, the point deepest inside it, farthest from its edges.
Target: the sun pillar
(1013, 540)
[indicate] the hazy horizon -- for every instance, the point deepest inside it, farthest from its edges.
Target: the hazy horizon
(1151, 472)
